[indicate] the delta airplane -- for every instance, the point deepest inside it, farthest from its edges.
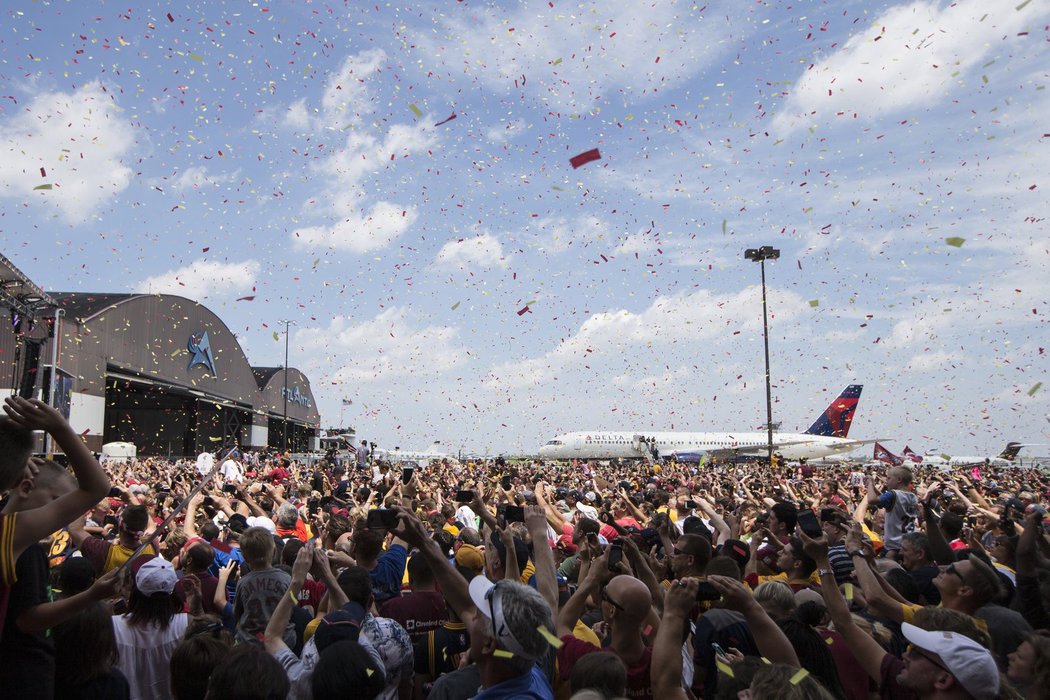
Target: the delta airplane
(1006, 458)
(825, 437)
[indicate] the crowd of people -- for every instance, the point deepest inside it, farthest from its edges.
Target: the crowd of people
(255, 576)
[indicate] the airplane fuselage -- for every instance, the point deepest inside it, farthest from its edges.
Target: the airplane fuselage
(687, 445)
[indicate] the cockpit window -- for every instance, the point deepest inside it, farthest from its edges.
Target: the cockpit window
(555, 442)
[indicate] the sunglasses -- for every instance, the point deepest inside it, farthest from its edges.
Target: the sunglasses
(914, 652)
(605, 596)
(955, 572)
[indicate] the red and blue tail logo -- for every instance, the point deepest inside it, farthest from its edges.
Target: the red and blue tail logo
(837, 417)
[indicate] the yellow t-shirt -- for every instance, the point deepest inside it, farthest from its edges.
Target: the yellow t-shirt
(910, 610)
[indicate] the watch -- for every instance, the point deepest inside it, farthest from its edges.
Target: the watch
(824, 572)
(856, 553)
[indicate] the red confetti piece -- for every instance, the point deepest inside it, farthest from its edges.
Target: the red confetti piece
(446, 121)
(170, 18)
(247, 299)
(205, 250)
(43, 173)
(524, 310)
(584, 158)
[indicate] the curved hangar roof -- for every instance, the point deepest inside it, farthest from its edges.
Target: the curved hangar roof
(173, 340)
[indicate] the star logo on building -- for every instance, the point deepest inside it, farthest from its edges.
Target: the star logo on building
(200, 349)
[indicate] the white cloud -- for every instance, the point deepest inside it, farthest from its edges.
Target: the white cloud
(203, 278)
(360, 231)
(911, 56)
(354, 224)
(380, 349)
(505, 131)
(480, 251)
(932, 361)
(197, 177)
(680, 320)
(79, 139)
(573, 58)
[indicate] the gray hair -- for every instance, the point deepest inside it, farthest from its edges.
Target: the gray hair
(776, 598)
(525, 612)
(920, 541)
(287, 515)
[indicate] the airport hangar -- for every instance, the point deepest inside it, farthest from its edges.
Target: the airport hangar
(157, 370)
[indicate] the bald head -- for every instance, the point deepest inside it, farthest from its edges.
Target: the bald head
(633, 596)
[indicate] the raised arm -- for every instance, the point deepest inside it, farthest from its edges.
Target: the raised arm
(574, 607)
(453, 585)
(666, 665)
(865, 649)
(92, 483)
(878, 599)
(542, 556)
(771, 641)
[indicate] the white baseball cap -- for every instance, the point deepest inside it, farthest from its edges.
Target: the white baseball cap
(970, 663)
(263, 522)
(488, 600)
(156, 576)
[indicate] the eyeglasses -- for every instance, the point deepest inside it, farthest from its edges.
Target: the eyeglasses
(605, 596)
(913, 652)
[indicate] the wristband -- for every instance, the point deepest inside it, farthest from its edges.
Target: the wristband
(856, 553)
(293, 596)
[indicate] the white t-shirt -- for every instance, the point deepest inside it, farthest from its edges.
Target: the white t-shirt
(145, 655)
(232, 471)
(205, 463)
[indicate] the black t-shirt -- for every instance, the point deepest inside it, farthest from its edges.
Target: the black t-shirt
(28, 667)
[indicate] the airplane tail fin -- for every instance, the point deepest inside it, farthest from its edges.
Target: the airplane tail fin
(1011, 451)
(837, 417)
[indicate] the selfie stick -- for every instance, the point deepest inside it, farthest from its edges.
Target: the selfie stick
(178, 509)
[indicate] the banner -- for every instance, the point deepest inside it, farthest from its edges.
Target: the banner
(884, 455)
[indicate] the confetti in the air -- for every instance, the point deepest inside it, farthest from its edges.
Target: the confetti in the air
(955, 241)
(1035, 388)
(585, 158)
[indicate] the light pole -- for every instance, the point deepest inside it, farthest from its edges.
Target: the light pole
(760, 255)
(284, 423)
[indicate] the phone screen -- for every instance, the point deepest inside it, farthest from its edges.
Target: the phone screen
(615, 554)
(406, 474)
(382, 519)
(464, 496)
(808, 522)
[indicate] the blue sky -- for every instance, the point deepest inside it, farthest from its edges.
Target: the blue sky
(292, 153)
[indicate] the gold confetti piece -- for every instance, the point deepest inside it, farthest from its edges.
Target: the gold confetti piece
(1021, 6)
(501, 654)
(549, 636)
(955, 241)
(416, 110)
(766, 661)
(369, 672)
(945, 456)
(558, 60)
(276, 337)
(1038, 385)
(42, 187)
(829, 640)
(723, 226)
(799, 675)
(455, 306)
(849, 591)
(196, 58)
(814, 303)
(725, 668)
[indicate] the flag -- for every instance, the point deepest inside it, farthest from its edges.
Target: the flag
(884, 455)
(348, 402)
(351, 449)
(911, 456)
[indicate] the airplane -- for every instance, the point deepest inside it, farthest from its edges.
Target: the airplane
(1005, 458)
(825, 437)
(434, 452)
